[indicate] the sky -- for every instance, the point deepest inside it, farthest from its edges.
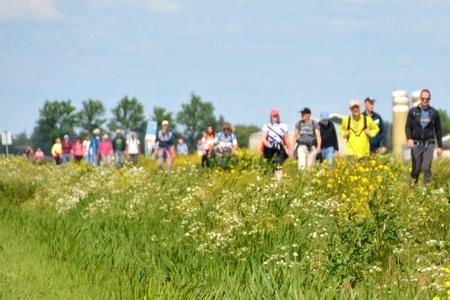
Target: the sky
(245, 56)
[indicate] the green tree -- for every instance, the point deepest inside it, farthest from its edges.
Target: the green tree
(129, 115)
(243, 133)
(91, 115)
(445, 121)
(56, 118)
(195, 116)
(160, 114)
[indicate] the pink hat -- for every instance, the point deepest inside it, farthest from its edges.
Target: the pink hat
(274, 112)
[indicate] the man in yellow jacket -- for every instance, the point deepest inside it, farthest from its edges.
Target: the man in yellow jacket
(358, 129)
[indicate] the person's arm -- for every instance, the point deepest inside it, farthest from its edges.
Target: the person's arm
(235, 143)
(438, 133)
(287, 143)
(372, 128)
(318, 137)
(408, 129)
(294, 138)
(382, 133)
(335, 138)
(264, 142)
(343, 129)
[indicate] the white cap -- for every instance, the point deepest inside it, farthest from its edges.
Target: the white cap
(354, 103)
(165, 122)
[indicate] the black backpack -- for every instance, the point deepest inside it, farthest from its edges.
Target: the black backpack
(364, 127)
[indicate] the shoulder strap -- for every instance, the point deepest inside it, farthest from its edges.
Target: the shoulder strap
(348, 123)
(365, 122)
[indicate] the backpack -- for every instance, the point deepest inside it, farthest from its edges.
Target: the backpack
(364, 127)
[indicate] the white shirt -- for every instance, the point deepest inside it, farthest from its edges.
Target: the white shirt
(275, 133)
(86, 147)
(133, 146)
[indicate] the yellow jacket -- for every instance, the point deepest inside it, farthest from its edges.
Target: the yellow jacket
(358, 143)
(56, 150)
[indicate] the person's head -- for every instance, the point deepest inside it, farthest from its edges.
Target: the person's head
(39, 150)
(78, 139)
(180, 141)
(96, 131)
(133, 135)
(58, 141)
(118, 133)
(369, 104)
(210, 131)
(106, 137)
(324, 117)
(355, 108)
(306, 114)
(227, 129)
(165, 125)
(425, 97)
(275, 116)
(88, 136)
(66, 138)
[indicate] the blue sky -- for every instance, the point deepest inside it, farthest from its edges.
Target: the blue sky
(246, 56)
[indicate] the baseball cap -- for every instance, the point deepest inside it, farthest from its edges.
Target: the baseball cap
(354, 103)
(305, 110)
(370, 99)
(324, 115)
(274, 112)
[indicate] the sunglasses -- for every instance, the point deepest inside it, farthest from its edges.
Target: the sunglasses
(425, 99)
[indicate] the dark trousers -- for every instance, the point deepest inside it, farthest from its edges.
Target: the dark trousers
(422, 157)
(276, 155)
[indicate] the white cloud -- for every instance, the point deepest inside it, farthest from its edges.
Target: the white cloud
(154, 6)
(35, 10)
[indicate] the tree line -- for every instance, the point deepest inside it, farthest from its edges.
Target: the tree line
(60, 117)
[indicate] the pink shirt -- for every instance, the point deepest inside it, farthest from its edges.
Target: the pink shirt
(106, 148)
(78, 149)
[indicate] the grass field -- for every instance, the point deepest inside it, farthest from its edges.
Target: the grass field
(358, 231)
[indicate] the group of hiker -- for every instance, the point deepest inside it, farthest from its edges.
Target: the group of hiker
(97, 150)
(364, 133)
(312, 141)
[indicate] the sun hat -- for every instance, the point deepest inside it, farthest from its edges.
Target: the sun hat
(354, 103)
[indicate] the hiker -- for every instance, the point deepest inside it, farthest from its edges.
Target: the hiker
(423, 130)
(106, 151)
(200, 145)
(209, 142)
(57, 151)
(78, 150)
(275, 144)
(307, 140)
(95, 147)
(39, 156)
(87, 150)
(66, 150)
(133, 148)
(328, 135)
(358, 129)
(227, 143)
(119, 145)
(182, 148)
(165, 149)
(378, 142)
(28, 153)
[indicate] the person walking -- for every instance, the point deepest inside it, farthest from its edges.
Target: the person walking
(95, 147)
(66, 150)
(275, 144)
(87, 150)
(328, 135)
(133, 148)
(39, 156)
(227, 143)
(307, 140)
(119, 146)
(165, 148)
(378, 142)
(106, 151)
(209, 142)
(57, 151)
(423, 130)
(78, 150)
(182, 148)
(358, 129)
